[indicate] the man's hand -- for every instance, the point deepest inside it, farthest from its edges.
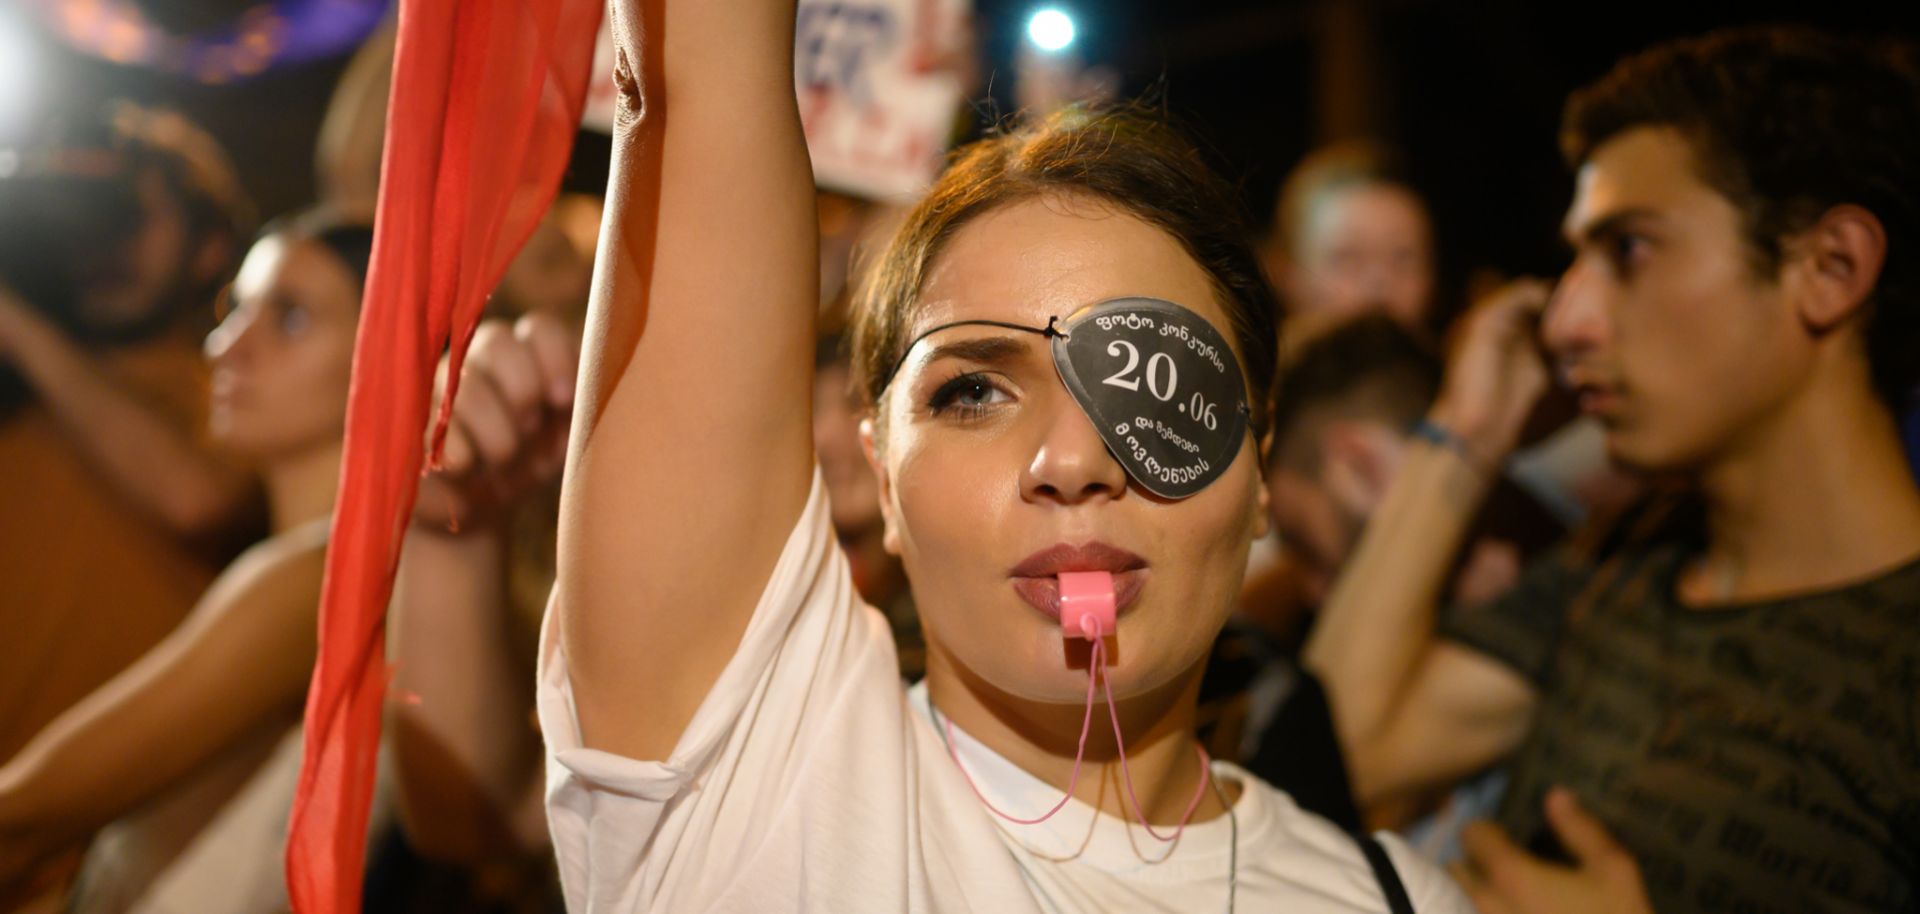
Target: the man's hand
(508, 434)
(1502, 878)
(1495, 371)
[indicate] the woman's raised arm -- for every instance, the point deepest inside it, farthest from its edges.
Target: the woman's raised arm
(691, 448)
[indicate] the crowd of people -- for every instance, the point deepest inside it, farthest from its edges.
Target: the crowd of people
(1603, 595)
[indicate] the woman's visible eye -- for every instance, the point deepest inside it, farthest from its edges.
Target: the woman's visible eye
(967, 396)
(293, 320)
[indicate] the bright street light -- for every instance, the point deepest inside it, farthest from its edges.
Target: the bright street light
(1050, 29)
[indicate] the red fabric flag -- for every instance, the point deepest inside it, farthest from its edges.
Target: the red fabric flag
(485, 102)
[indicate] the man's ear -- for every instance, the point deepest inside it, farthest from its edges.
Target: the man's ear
(1358, 460)
(1842, 254)
(890, 535)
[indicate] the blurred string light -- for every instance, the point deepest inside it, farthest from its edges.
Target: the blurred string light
(1050, 29)
(267, 35)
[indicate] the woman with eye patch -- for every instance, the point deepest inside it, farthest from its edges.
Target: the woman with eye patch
(725, 728)
(190, 748)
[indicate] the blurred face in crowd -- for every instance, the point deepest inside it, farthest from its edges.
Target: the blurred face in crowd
(1319, 512)
(852, 491)
(131, 283)
(283, 355)
(1317, 532)
(987, 461)
(1662, 325)
(1364, 247)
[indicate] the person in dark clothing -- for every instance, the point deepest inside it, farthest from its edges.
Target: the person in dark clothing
(1712, 705)
(1346, 408)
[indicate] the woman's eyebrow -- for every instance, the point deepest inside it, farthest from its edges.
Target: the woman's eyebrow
(982, 349)
(985, 349)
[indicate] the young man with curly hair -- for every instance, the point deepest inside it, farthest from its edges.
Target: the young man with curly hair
(1713, 705)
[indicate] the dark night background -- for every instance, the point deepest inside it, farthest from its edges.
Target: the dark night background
(1470, 90)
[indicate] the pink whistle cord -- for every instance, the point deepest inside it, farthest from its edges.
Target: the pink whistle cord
(1096, 668)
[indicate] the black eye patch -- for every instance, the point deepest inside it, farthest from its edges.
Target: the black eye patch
(1162, 387)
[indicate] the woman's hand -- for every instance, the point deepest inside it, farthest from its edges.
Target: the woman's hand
(508, 433)
(1495, 371)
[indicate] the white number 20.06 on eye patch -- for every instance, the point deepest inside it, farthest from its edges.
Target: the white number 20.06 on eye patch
(1161, 385)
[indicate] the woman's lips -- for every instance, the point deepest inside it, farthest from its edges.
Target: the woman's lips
(1036, 579)
(1044, 593)
(1094, 556)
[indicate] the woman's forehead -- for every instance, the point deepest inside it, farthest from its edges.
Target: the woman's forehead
(262, 263)
(1050, 257)
(298, 265)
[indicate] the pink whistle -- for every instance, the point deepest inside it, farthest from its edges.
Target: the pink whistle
(1086, 604)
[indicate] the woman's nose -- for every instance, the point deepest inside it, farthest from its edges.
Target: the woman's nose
(1071, 463)
(231, 336)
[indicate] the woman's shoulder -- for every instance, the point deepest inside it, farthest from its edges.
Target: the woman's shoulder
(1286, 832)
(285, 568)
(1270, 814)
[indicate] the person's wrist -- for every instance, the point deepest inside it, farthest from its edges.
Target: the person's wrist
(465, 529)
(446, 509)
(1460, 433)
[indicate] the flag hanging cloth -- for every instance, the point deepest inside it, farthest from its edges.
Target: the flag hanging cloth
(485, 101)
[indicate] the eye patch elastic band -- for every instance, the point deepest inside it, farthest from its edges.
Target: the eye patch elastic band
(1048, 331)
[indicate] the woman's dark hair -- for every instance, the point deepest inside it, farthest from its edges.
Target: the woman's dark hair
(1786, 123)
(1134, 163)
(349, 237)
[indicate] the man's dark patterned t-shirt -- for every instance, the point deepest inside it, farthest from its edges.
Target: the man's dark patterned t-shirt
(1762, 757)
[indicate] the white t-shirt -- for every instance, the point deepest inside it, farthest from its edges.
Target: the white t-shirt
(810, 780)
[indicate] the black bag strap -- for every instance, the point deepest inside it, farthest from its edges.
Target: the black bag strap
(1390, 885)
